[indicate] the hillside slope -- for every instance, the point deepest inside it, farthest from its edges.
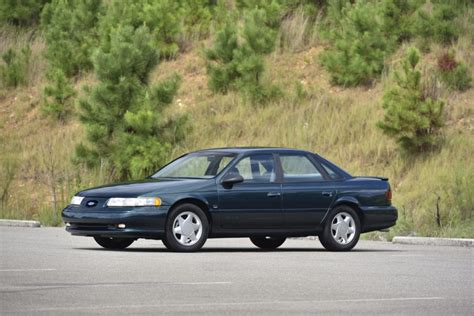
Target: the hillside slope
(38, 173)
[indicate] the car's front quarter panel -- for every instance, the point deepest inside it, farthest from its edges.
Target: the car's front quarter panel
(140, 222)
(206, 193)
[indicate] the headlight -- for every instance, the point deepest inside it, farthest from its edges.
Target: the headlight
(140, 201)
(76, 200)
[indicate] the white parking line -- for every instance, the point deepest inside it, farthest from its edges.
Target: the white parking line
(15, 288)
(407, 256)
(109, 307)
(25, 270)
(200, 283)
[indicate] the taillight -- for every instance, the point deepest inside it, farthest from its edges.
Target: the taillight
(388, 195)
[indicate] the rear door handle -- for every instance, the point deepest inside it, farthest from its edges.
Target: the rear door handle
(327, 194)
(273, 194)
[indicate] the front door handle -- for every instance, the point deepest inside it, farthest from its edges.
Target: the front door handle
(273, 194)
(329, 194)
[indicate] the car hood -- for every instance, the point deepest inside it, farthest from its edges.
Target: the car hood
(148, 186)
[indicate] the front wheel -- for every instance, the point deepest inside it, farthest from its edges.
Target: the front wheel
(113, 243)
(267, 243)
(341, 230)
(187, 228)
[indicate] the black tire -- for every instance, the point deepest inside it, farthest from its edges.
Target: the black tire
(171, 237)
(336, 243)
(268, 243)
(165, 244)
(113, 243)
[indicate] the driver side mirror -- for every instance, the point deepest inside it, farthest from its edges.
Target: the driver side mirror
(231, 178)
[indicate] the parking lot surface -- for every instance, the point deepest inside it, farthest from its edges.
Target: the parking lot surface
(47, 271)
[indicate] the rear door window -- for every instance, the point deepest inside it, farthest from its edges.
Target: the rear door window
(299, 168)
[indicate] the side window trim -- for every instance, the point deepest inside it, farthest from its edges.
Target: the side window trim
(318, 163)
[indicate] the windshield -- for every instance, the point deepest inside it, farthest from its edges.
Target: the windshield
(202, 165)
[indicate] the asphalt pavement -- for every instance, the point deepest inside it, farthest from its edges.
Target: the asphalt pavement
(47, 271)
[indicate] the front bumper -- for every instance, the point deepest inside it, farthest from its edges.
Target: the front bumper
(140, 222)
(378, 217)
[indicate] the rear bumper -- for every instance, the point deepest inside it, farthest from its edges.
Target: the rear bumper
(378, 217)
(140, 222)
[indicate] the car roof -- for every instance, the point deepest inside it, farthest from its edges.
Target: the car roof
(253, 149)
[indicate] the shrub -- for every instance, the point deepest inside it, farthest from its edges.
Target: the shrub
(167, 20)
(24, 12)
(221, 67)
(122, 113)
(455, 75)
(197, 18)
(15, 70)
(358, 46)
(411, 117)
(234, 65)
(59, 95)
(70, 34)
(259, 40)
(397, 18)
(437, 24)
(164, 18)
(334, 12)
(273, 10)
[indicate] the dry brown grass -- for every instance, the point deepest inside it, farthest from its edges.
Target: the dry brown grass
(335, 122)
(18, 38)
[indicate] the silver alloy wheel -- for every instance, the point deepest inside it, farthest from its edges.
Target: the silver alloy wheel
(343, 228)
(187, 228)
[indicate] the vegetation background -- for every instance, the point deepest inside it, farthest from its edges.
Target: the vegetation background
(98, 91)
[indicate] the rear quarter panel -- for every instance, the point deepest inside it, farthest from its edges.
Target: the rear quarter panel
(369, 195)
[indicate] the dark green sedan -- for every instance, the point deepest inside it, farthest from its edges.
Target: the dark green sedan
(265, 194)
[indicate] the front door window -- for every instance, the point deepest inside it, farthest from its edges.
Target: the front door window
(256, 168)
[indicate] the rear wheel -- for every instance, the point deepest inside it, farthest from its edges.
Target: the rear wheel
(268, 243)
(165, 244)
(113, 243)
(187, 228)
(342, 229)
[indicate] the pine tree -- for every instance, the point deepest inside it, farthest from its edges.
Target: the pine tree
(358, 46)
(21, 12)
(240, 65)
(122, 113)
(437, 24)
(273, 9)
(197, 17)
(412, 118)
(221, 67)
(70, 32)
(59, 95)
(259, 40)
(397, 18)
(164, 17)
(15, 70)
(71, 35)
